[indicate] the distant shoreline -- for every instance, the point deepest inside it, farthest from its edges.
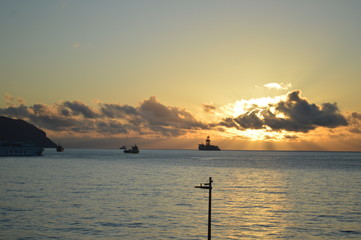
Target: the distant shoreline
(241, 150)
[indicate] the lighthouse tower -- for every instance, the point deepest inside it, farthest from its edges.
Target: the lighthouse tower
(208, 141)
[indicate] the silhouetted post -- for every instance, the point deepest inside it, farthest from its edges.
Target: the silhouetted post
(208, 186)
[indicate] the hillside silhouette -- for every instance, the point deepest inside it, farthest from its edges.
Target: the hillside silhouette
(20, 130)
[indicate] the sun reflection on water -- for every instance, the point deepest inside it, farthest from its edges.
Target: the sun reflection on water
(252, 207)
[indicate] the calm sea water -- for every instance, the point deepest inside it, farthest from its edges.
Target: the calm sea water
(106, 194)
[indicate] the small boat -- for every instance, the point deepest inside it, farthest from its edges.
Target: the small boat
(59, 148)
(134, 149)
(12, 148)
(123, 147)
(208, 146)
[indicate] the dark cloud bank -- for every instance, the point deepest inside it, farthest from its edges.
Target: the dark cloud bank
(152, 118)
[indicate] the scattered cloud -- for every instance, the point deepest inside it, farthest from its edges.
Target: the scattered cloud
(356, 115)
(355, 122)
(208, 108)
(13, 101)
(278, 86)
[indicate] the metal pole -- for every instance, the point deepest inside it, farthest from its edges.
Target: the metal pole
(210, 208)
(209, 187)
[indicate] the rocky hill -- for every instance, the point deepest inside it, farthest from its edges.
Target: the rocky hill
(19, 130)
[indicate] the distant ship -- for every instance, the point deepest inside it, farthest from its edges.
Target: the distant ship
(134, 149)
(10, 148)
(59, 148)
(208, 146)
(123, 147)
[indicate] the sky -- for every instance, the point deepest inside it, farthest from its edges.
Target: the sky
(253, 75)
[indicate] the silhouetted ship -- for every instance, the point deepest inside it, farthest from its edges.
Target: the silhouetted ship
(208, 146)
(134, 149)
(123, 147)
(59, 148)
(9, 148)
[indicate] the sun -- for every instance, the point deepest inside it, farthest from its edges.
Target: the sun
(243, 106)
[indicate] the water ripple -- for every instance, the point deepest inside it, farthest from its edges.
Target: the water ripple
(102, 194)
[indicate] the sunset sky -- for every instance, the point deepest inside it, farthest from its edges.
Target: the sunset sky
(253, 75)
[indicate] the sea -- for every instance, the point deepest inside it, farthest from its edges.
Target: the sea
(106, 194)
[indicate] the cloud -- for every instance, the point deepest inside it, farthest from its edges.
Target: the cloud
(12, 101)
(355, 122)
(76, 108)
(282, 118)
(208, 108)
(356, 115)
(112, 127)
(300, 111)
(249, 120)
(290, 137)
(170, 121)
(228, 123)
(21, 111)
(294, 113)
(278, 86)
(117, 111)
(150, 117)
(58, 123)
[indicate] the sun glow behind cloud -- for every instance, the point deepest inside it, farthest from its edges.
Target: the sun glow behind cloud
(243, 106)
(284, 118)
